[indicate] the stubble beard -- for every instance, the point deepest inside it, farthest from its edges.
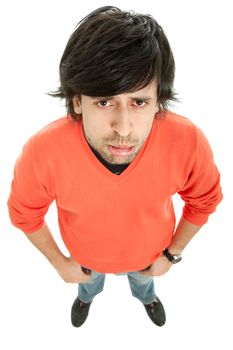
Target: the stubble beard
(103, 151)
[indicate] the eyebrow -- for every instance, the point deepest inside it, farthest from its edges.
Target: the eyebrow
(106, 98)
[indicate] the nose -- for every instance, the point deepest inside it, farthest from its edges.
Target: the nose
(122, 122)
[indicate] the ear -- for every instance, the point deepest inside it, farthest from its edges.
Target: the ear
(77, 104)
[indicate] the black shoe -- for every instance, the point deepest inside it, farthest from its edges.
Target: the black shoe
(156, 312)
(79, 312)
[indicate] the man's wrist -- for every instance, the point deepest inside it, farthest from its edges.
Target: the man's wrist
(175, 251)
(174, 258)
(58, 261)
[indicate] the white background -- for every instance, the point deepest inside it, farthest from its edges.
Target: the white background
(197, 294)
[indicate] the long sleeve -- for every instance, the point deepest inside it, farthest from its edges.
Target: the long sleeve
(202, 191)
(29, 199)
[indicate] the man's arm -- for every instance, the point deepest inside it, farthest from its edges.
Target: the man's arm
(201, 194)
(67, 267)
(184, 233)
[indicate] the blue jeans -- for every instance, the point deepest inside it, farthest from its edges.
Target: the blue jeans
(142, 287)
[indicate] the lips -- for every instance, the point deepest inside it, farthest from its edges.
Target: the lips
(122, 146)
(121, 150)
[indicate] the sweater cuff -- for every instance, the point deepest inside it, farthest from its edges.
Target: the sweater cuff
(195, 219)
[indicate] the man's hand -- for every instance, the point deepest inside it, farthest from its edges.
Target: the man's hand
(71, 272)
(159, 267)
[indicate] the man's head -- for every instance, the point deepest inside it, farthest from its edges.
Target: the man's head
(112, 52)
(116, 73)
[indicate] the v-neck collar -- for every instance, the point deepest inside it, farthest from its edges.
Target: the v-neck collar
(101, 169)
(114, 168)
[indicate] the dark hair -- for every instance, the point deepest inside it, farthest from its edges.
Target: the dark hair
(112, 52)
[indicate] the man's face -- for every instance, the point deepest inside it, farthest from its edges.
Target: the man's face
(117, 127)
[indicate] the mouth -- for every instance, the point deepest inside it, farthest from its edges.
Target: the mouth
(121, 150)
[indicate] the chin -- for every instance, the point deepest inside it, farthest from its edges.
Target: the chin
(113, 159)
(122, 160)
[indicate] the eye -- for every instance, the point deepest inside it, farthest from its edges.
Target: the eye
(140, 103)
(103, 103)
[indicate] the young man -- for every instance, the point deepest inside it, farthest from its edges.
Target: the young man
(113, 163)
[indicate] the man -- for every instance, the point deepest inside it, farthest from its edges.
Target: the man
(113, 163)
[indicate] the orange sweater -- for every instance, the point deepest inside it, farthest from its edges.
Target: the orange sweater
(115, 223)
